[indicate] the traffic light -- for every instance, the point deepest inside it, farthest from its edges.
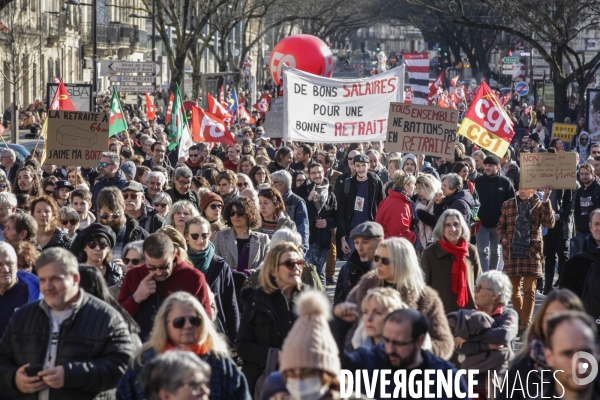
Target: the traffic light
(378, 48)
(439, 49)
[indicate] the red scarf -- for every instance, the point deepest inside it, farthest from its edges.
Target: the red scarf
(459, 269)
(199, 349)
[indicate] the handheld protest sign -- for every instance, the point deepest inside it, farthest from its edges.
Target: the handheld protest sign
(548, 169)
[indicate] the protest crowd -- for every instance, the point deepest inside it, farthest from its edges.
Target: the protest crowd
(160, 276)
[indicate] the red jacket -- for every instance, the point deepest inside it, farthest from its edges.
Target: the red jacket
(184, 277)
(230, 166)
(395, 215)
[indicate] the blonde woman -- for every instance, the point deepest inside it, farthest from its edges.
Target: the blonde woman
(162, 204)
(427, 187)
(182, 324)
(397, 267)
(180, 213)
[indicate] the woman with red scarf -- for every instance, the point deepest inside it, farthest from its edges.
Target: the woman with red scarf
(182, 324)
(451, 264)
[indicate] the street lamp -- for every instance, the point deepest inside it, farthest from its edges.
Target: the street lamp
(94, 46)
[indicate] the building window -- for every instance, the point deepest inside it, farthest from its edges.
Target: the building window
(371, 32)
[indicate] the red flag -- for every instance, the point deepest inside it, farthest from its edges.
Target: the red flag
(169, 109)
(408, 96)
(243, 113)
(217, 109)
(62, 100)
(435, 87)
(209, 128)
(454, 81)
(262, 105)
(221, 94)
(442, 101)
(150, 108)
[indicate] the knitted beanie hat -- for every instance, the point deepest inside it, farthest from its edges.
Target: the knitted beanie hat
(310, 344)
(208, 198)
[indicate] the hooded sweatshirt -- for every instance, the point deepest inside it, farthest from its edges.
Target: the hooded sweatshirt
(583, 150)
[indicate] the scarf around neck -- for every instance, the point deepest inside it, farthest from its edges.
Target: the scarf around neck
(202, 259)
(522, 232)
(459, 269)
(198, 349)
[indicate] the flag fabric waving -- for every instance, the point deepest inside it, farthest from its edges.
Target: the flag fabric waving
(486, 123)
(116, 121)
(169, 110)
(232, 103)
(262, 105)
(417, 67)
(408, 96)
(178, 123)
(62, 100)
(243, 113)
(209, 127)
(216, 108)
(435, 87)
(150, 108)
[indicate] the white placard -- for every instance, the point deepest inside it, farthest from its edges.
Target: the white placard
(326, 110)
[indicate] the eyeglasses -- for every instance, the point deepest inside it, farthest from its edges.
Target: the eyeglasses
(215, 206)
(110, 216)
(240, 184)
(262, 173)
(290, 264)
(197, 388)
(102, 245)
(479, 288)
(5, 209)
(276, 182)
(179, 322)
(49, 192)
(162, 267)
(238, 213)
(69, 221)
(133, 196)
(134, 261)
(195, 236)
(384, 260)
(103, 164)
(300, 180)
(184, 183)
(162, 205)
(194, 155)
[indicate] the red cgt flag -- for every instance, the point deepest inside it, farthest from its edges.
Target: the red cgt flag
(262, 105)
(408, 96)
(435, 87)
(169, 109)
(150, 108)
(243, 113)
(216, 108)
(62, 100)
(209, 128)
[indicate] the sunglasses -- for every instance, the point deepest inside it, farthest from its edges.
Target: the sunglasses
(162, 267)
(134, 261)
(238, 213)
(384, 260)
(92, 245)
(133, 196)
(179, 322)
(103, 164)
(195, 236)
(194, 155)
(162, 205)
(110, 216)
(3, 185)
(479, 288)
(49, 192)
(289, 264)
(215, 206)
(240, 184)
(69, 221)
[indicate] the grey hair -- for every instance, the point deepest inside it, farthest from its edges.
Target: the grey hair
(247, 178)
(157, 174)
(183, 172)
(438, 230)
(479, 154)
(455, 181)
(252, 195)
(499, 285)
(284, 176)
(286, 235)
(8, 198)
(67, 212)
(114, 158)
(64, 257)
(10, 151)
(149, 140)
(163, 196)
(8, 251)
(168, 371)
(372, 151)
(461, 145)
(137, 246)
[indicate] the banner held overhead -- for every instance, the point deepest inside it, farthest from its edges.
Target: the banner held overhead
(326, 110)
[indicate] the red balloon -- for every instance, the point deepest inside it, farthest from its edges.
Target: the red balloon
(304, 52)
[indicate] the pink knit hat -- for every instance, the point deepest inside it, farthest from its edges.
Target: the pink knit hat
(310, 344)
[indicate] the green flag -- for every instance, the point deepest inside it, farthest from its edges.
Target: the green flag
(116, 121)
(178, 120)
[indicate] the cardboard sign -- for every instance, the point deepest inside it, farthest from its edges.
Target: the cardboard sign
(327, 110)
(76, 138)
(564, 131)
(419, 129)
(542, 169)
(274, 119)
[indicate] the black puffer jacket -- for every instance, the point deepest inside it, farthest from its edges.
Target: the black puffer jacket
(266, 321)
(59, 239)
(321, 236)
(94, 348)
(461, 201)
(133, 230)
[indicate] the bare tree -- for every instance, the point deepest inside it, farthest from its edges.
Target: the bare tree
(538, 22)
(19, 42)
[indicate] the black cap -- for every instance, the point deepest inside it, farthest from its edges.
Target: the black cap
(361, 158)
(95, 229)
(63, 184)
(492, 160)
(367, 230)
(535, 137)
(133, 186)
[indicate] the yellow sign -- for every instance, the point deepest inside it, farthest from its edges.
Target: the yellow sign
(564, 131)
(483, 138)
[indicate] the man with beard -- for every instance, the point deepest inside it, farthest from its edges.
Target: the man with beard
(135, 206)
(587, 199)
(109, 175)
(404, 332)
(21, 227)
(111, 212)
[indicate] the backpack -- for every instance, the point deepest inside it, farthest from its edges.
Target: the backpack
(590, 295)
